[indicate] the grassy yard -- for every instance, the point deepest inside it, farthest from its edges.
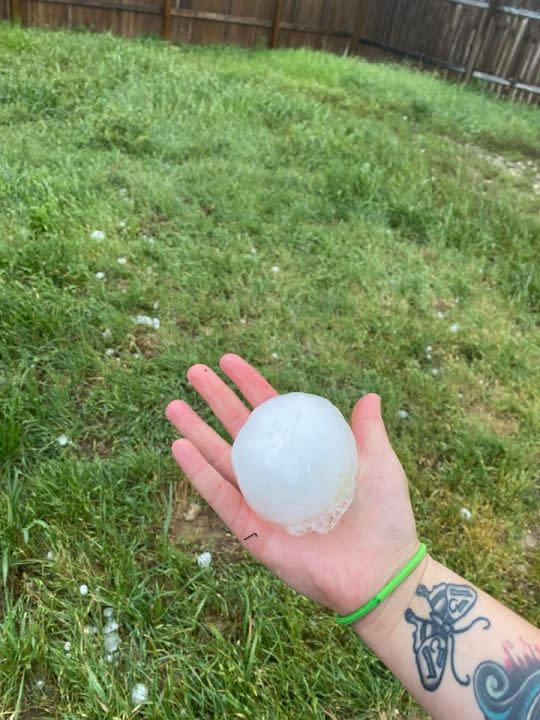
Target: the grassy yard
(326, 218)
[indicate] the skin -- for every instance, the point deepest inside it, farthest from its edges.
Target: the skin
(346, 567)
(342, 569)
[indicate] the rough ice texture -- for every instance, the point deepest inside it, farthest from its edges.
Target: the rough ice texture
(296, 462)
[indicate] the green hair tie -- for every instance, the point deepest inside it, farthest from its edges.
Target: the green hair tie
(398, 578)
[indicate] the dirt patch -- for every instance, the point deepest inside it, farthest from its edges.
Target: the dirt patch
(501, 422)
(527, 169)
(198, 530)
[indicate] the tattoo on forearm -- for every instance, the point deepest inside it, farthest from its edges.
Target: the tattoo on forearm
(434, 637)
(511, 692)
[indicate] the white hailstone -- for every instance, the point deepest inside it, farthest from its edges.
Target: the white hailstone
(100, 275)
(83, 589)
(121, 260)
(405, 117)
(122, 191)
(403, 414)
(109, 657)
(429, 356)
(429, 349)
(155, 306)
(275, 356)
(90, 630)
(296, 462)
(454, 327)
(439, 315)
(465, 513)
(204, 560)
(139, 694)
(50, 555)
(243, 321)
(253, 251)
(40, 684)
(97, 235)
(111, 639)
(106, 334)
(122, 225)
(108, 612)
(147, 321)
(67, 646)
(435, 371)
(109, 352)
(62, 440)
(275, 268)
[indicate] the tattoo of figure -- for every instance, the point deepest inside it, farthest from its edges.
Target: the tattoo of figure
(434, 636)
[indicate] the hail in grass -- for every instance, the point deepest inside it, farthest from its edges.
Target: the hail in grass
(139, 694)
(62, 440)
(40, 684)
(204, 560)
(147, 321)
(275, 268)
(403, 414)
(454, 327)
(67, 646)
(50, 555)
(83, 589)
(90, 630)
(435, 372)
(100, 275)
(108, 612)
(106, 334)
(275, 356)
(97, 235)
(465, 513)
(121, 261)
(109, 352)
(122, 225)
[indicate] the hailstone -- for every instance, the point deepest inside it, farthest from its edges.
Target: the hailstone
(296, 462)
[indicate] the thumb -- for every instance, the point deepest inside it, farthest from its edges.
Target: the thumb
(368, 426)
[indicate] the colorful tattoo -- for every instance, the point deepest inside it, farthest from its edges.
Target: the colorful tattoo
(511, 692)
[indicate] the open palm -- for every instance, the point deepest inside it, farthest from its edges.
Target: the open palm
(341, 569)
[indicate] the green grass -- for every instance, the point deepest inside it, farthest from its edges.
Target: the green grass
(373, 189)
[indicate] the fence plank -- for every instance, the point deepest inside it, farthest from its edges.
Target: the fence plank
(166, 24)
(278, 12)
(15, 10)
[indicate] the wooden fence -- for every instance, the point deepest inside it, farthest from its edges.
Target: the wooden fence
(491, 40)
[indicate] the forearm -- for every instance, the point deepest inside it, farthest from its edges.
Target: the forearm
(455, 648)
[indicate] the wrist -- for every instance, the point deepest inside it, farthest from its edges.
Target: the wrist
(380, 623)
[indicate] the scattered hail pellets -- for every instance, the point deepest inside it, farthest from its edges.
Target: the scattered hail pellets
(67, 646)
(97, 235)
(83, 589)
(108, 612)
(121, 261)
(465, 513)
(40, 684)
(275, 356)
(275, 268)
(111, 639)
(148, 321)
(90, 630)
(296, 462)
(62, 440)
(403, 414)
(204, 560)
(435, 371)
(106, 334)
(50, 555)
(109, 352)
(139, 694)
(100, 275)
(454, 327)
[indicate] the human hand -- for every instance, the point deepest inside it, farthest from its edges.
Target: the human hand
(341, 569)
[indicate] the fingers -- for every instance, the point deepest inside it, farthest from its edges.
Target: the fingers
(223, 497)
(251, 383)
(368, 426)
(226, 406)
(214, 448)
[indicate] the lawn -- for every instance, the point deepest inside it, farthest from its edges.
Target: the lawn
(347, 227)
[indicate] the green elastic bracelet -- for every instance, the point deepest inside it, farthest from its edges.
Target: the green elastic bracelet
(398, 578)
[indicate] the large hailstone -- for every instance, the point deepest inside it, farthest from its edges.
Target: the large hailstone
(296, 462)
